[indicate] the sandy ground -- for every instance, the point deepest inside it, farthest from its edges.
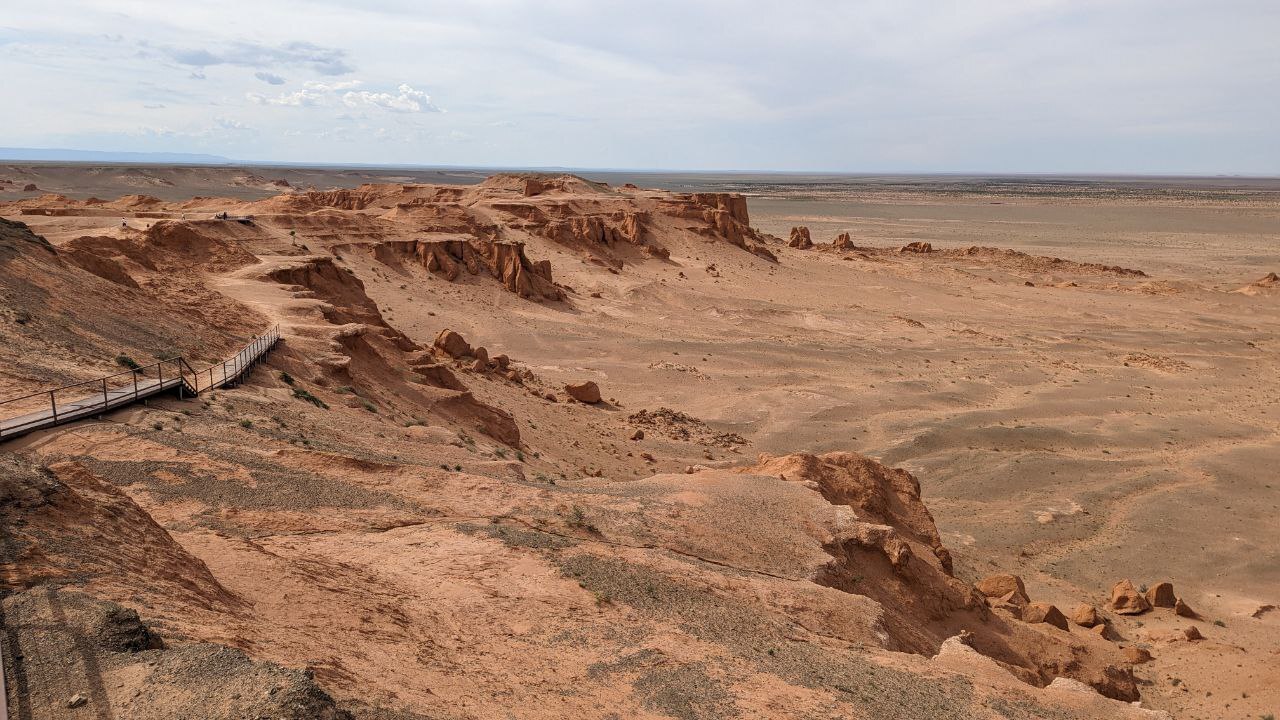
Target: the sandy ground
(1070, 424)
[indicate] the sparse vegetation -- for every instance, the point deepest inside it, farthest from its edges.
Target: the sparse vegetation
(500, 453)
(157, 425)
(127, 362)
(578, 519)
(369, 406)
(246, 423)
(302, 394)
(1219, 623)
(286, 378)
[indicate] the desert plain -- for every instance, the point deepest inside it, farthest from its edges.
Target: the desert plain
(834, 412)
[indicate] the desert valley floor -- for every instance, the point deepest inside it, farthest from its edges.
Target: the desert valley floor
(829, 407)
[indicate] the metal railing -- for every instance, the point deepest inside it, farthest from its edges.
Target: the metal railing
(91, 397)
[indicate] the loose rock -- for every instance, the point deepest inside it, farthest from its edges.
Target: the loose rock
(1039, 612)
(1182, 609)
(1161, 595)
(1126, 600)
(584, 392)
(1086, 616)
(1136, 655)
(998, 586)
(453, 344)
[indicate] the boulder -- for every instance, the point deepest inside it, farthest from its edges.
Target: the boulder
(584, 392)
(1136, 655)
(453, 344)
(30, 187)
(1126, 600)
(1182, 609)
(800, 238)
(843, 242)
(481, 355)
(1161, 595)
(916, 247)
(1086, 616)
(637, 435)
(1000, 586)
(1040, 612)
(1191, 632)
(502, 361)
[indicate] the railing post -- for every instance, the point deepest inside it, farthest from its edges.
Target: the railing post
(160, 372)
(135, 384)
(105, 402)
(53, 405)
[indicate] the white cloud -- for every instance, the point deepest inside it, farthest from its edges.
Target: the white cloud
(269, 78)
(312, 94)
(405, 100)
(409, 100)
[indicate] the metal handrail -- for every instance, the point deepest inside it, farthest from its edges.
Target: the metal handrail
(242, 360)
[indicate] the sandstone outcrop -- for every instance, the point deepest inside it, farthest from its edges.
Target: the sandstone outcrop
(722, 215)
(917, 247)
(800, 238)
(888, 550)
(843, 242)
(503, 260)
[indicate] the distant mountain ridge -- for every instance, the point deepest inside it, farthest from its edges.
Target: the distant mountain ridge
(69, 155)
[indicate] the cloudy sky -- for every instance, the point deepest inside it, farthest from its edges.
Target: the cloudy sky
(1155, 86)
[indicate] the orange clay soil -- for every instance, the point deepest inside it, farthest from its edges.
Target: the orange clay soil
(408, 503)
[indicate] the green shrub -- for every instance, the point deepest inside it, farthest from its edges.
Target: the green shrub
(286, 378)
(369, 406)
(125, 361)
(302, 394)
(246, 423)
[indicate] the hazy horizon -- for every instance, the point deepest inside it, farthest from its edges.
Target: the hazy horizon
(980, 87)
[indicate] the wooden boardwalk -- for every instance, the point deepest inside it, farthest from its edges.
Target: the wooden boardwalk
(94, 397)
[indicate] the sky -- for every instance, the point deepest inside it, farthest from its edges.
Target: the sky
(1066, 86)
